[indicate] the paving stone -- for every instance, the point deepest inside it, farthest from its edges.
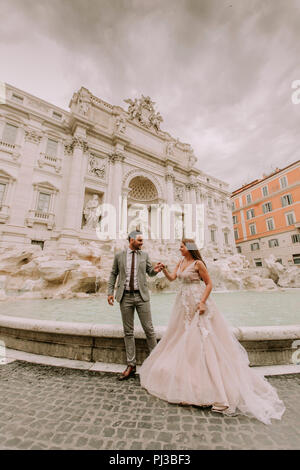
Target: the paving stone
(46, 407)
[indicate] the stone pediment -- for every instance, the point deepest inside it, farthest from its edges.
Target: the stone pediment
(45, 185)
(4, 174)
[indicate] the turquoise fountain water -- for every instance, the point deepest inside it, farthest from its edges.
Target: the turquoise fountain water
(241, 308)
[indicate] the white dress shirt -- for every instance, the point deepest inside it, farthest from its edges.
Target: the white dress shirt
(128, 269)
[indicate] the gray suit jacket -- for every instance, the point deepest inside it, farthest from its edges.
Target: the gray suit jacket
(119, 269)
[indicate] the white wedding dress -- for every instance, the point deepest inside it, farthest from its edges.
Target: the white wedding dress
(199, 361)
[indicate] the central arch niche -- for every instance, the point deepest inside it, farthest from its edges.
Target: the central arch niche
(142, 199)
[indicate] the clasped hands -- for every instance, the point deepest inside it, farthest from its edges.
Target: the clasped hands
(159, 267)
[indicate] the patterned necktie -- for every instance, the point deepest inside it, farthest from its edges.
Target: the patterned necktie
(131, 281)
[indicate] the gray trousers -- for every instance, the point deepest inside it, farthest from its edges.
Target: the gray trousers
(128, 304)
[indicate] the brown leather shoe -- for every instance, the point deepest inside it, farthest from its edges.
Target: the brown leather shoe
(128, 372)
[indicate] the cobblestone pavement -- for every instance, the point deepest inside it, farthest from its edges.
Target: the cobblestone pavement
(44, 407)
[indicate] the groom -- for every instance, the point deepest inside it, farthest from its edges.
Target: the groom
(131, 266)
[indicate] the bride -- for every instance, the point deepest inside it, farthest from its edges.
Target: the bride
(199, 361)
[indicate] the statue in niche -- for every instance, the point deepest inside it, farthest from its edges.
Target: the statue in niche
(92, 212)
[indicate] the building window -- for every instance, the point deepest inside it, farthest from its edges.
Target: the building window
(10, 134)
(2, 192)
(267, 207)
(252, 228)
(274, 242)
(233, 206)
(43, 202)
(236, 234)
(290, 218)
(51, 147)
(296, 238)
(265, 191)
(250, 214)
(209, 201)
(226, 238)
(56, 115)
(254, 246)
(235, 219)
(296, 258)
(213, 235)
(38, 242)
(270, 224)
(17, 98)
(286, 200)
(248, 199)
(279, 260)
(283, 182)
(239, 249)
(258, 262)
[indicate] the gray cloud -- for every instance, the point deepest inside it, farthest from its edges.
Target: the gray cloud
(220, 71)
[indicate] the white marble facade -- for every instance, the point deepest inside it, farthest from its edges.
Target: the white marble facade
(58, 170)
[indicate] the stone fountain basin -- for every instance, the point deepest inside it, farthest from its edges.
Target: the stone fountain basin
(265, 345)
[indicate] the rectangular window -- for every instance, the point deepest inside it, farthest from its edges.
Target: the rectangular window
(270, 224)
(279, 260)
(265, 191)
(283, 182)
(43, 202)
(51, 147)
(17, 98)
(235, 219)
(248, 199)
(209, 201)
(295, 237)
(252, 228)
(10, 134)
(2, 192)
(226, 238)
(233, 206)
(286, 200)
(212, 235)
(239, 249)
(296, 258)
(250, 214)
(258, 262)
(38, 242)
(267, 207)
(254, 246)
(274, 242)
(236, 234)
(56, 115)
(290, 218)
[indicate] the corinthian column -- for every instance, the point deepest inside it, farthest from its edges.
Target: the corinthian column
(73, 211)
(115, 197)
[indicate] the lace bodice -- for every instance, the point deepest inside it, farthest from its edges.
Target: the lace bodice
(189, 274)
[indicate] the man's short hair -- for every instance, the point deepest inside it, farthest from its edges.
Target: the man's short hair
(134, 234)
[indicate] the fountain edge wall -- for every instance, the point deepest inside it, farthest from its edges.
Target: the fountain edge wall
(265, 345)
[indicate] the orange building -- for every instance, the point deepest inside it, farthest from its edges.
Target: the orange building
(266, 217)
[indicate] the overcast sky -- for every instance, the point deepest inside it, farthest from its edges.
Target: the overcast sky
(219, 71)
